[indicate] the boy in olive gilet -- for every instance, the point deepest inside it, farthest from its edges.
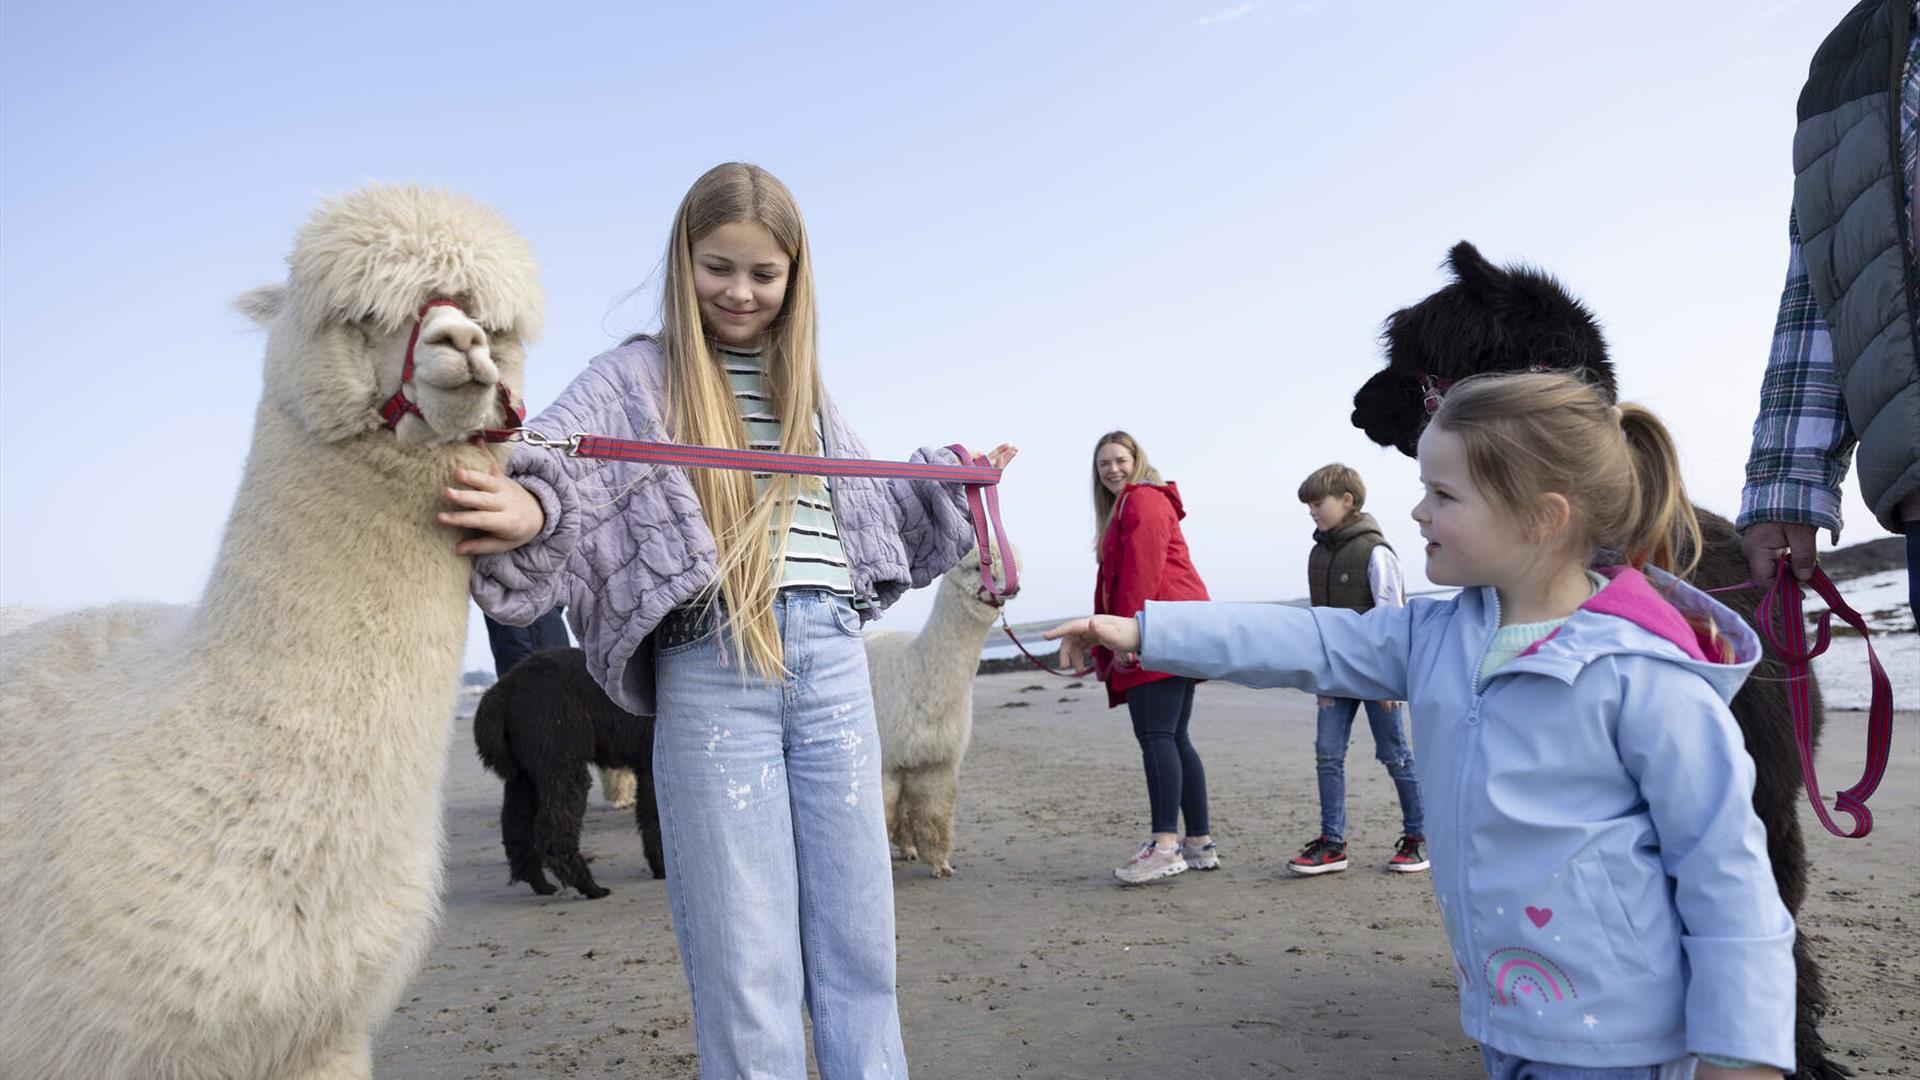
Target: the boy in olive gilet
(1351, 566)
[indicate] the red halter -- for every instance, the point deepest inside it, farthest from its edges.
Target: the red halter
(397, 407)
(1433, 389)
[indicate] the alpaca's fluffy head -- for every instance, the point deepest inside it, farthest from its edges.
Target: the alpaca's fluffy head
(362, 269)
(964, 577)
(1488, 319)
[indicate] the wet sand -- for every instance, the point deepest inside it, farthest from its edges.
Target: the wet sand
(1033, 962)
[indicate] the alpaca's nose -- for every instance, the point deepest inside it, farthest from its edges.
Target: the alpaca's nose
(455, 351)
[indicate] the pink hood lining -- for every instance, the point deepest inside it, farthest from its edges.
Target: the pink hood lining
(1630, 596)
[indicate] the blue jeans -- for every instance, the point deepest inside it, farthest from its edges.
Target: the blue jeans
(512, 644)
(777, 867)
(1507, 1067)
(1389, 745)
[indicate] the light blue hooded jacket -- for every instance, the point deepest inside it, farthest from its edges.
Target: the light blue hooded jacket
(1600, 872)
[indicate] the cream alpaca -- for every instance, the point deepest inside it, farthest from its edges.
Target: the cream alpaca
(259, 910)
(923, 704)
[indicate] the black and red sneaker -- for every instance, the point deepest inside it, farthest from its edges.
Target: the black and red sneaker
(1321, 856)
(1410, 857)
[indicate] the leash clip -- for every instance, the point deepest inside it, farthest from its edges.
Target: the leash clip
(569, 446)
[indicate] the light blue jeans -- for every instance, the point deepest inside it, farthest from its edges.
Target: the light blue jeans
(1333, 732)
(777, 866)
(1507, 1067)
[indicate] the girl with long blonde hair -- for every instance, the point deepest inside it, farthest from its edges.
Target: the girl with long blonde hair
(1601, 875)
(729, 605)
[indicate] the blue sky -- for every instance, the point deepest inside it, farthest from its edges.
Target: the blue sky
(1032, 222)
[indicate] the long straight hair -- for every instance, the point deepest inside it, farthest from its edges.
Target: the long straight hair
(702, 409)
(1104, 501)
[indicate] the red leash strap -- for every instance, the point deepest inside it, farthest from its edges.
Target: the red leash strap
(990, 494)
(1781, 608)
(979, 477)
(766, 461)
(1081, 674)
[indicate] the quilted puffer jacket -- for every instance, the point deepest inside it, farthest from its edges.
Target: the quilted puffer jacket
(623, 543)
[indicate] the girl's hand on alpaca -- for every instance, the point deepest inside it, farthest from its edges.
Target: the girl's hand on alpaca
(1119, 635)
(1001, 456)
(494, 505)
(1704, 1071)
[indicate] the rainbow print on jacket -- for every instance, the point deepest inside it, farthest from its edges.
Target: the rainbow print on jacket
(1516, 976)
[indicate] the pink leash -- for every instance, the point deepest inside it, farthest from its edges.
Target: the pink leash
(1081, 674)
(1781, 607)
(980, 478)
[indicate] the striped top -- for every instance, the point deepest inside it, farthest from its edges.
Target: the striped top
(814, 556)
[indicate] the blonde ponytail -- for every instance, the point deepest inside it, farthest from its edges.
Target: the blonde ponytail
(1662, 530)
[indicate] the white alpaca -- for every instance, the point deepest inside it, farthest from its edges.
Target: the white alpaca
(619, 787)
(923, 703)
(257, 911)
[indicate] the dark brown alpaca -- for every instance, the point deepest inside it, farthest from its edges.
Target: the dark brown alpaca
(1493, 319)
(538, 729)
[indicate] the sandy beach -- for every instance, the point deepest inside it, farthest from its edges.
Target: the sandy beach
(1034, 963)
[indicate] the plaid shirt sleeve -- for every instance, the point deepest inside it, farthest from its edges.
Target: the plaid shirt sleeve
(1802, 442)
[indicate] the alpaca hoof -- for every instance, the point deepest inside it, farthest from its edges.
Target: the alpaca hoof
(910, 854)
(943, 870)
(595, 892)
(624, 804)
(544, 888)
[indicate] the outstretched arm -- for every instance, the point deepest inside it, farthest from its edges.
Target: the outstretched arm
(1322, 650)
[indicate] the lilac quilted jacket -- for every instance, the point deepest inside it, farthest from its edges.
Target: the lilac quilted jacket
(625, 542)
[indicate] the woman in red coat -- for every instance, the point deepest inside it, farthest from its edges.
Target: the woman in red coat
(1143, 557)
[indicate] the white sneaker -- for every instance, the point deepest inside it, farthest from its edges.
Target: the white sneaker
(1204, 857)
(1151, 864)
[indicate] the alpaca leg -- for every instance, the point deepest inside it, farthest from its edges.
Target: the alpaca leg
(1778, 807)
(1763, 713)
(932, 791)
(899, 823)
(617, 786)
(349, 1059)
(646, 813)
(524, 857)
(646, 804)
(563, 803)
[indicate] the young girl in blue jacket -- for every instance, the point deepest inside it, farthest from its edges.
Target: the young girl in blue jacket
(1600, 873)
(729, 606)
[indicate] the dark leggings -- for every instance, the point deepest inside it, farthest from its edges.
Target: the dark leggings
(1913, 569)
(1176, 781)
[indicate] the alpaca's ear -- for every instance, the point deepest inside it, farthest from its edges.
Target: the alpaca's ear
(1472, 268)
(263, 305)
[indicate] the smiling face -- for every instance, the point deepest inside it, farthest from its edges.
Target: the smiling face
(1470, 540)
(1113, 467)
(740, 279)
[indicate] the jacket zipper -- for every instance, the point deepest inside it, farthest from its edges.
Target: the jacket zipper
(1481, 1007)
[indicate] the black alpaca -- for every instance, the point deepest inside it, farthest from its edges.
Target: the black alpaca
(538, 729)
(1493, 319)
